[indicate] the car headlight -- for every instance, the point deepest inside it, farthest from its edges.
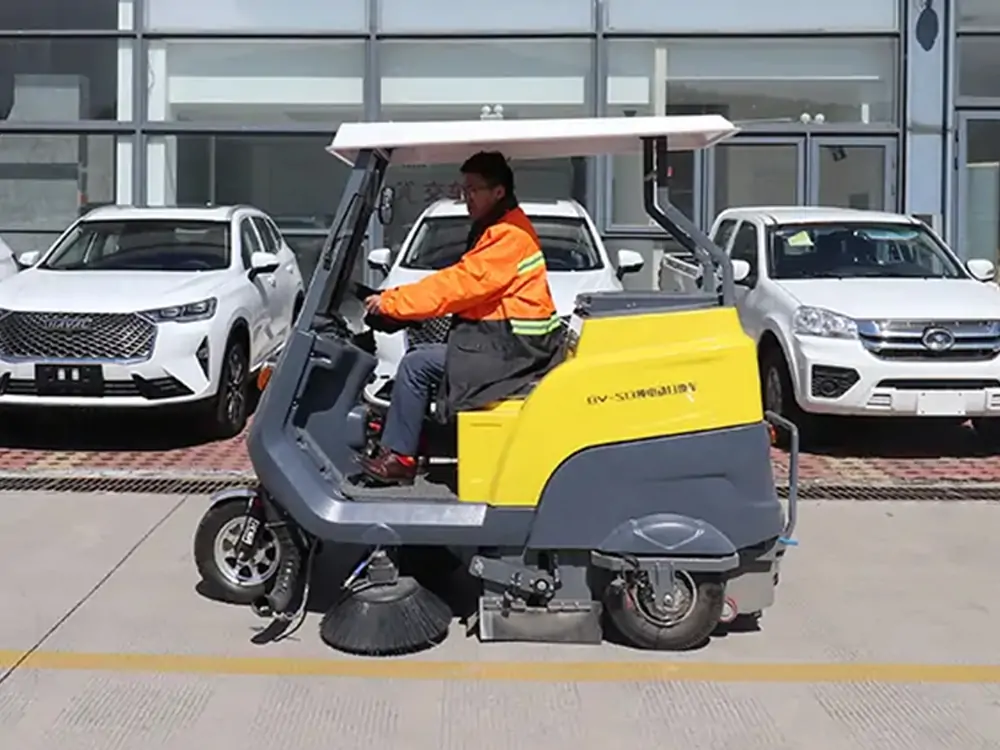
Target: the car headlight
(815, 321)
(202, 310)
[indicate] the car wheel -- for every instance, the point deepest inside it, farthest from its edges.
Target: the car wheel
(231, 406)
(778, 394)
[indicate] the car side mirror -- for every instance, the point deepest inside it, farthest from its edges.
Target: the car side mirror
(380, 259)
(263, 263)
(741, 272)
(981, 269)
(629, 261)
(28, 259)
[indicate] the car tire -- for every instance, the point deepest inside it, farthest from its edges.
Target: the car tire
(778, 395)
(229, 409)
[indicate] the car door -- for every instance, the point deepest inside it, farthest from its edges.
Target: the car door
(266, 309)
(283, 278)
(750, 301)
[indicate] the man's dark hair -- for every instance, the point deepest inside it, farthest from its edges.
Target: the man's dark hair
(492, 166)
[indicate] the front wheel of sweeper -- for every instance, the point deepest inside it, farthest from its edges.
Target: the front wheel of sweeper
(230, 578)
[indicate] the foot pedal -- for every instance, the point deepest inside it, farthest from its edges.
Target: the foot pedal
(559, 622)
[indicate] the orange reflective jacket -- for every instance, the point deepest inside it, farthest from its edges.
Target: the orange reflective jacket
(502, 277)
(504, 328)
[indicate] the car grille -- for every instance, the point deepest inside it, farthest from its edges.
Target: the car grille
(965, 341)
(435, 331)
(76, 336)
(153, 389)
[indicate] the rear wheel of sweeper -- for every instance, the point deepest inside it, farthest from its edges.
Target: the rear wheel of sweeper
(243, 579)
(682, 619)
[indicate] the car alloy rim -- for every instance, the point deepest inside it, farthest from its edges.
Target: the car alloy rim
(256, 565)
(235, 395)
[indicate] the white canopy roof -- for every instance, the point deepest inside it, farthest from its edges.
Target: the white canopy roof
(453, 141)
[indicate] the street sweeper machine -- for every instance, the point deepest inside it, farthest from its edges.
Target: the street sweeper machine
(629, 487)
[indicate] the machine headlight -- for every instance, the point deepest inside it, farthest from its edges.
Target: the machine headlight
(815, 321)
(202, 310)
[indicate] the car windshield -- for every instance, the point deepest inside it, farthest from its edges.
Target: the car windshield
(143, 245)
(567, 244)
(855, 250)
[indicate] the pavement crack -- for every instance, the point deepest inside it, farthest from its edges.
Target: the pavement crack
(93, 590)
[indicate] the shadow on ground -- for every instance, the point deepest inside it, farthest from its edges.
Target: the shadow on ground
(929, 438)
(103, 429)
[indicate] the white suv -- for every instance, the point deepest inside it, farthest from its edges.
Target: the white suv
(150, 307)
(863, 313)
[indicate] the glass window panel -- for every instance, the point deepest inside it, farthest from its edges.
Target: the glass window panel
(293, 178)
(60, 14)
(980, 213)
(755, 174)
(741, 17)
(446, 80)
(979, 66)
(46, 181)
(60, 79)
(845, 80)
(551, 16)
(345, 16)
(978, 14)
(267, 81)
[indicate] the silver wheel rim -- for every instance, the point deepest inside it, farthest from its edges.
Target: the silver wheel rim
(235, 387)
(258, 564)
(772, 391)
(676, 606)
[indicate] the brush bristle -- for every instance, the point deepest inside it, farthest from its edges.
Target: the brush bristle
(387, 620)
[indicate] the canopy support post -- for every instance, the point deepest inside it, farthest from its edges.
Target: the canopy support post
(655, 176)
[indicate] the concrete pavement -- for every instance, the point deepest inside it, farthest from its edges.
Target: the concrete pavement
(883, 636)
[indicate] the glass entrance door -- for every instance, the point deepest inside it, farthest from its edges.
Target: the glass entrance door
(755, 172)
(979, 186)
(852, 172)
(847, 172)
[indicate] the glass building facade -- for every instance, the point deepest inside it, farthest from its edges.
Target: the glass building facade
(889, 104)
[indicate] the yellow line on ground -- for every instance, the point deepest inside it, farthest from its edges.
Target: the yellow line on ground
(496, 671)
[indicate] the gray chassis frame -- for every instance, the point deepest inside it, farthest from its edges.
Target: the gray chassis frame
(703, 502)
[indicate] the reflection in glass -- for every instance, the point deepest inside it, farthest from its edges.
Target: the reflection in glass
(46, 181)
(59, 80)
(293, 178)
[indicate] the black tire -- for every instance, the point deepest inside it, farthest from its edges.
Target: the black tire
(641, 627)
(777, 393)
(221, 584)
(229, 409)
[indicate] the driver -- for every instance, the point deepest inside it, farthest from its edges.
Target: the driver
(504, 327)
